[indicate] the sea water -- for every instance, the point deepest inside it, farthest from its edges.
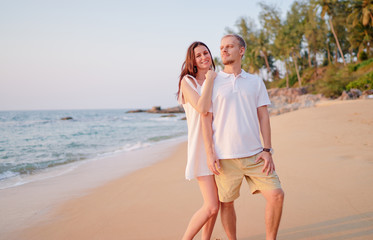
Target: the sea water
(35, 141)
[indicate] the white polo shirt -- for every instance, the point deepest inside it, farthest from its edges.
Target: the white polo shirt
(235, 120)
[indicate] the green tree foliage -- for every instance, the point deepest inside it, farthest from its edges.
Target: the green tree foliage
(315, 31)
(362, 13)
(332, 8)
(363, 83)
(218, 64)
(310, 42)
(360, 25)
(294, 31)
(254, 58)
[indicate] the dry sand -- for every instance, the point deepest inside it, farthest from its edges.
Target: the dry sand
(323, 155)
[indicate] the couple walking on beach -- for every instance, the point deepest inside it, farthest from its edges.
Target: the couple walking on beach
(225, 112)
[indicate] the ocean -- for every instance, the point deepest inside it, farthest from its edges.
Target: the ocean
(35, 141)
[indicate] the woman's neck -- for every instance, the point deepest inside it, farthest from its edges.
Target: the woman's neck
(200, 76)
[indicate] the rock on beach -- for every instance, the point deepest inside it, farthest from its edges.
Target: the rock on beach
(285, 100)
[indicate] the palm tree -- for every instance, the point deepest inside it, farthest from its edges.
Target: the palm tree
(218, 63)
(295, 57)
(292, 33)
(281, 49)
(315, 31)
(327, 8)
(260, 49)
(246, 28)
(361, 19)
(362, 12)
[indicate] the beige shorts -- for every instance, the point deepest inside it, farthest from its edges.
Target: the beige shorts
(232, 171)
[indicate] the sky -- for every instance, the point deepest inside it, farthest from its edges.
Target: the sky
(107, 54)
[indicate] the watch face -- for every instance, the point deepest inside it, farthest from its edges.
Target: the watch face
(270, 150)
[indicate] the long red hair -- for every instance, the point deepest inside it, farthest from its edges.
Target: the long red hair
(189, 65)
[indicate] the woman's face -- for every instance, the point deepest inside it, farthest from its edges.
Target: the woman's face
(202, 57)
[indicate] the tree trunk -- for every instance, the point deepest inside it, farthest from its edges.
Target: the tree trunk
(267, 64)
(336, 40)
(296, 69)
(329, 55)
(309, 57)
(315, 67)
(336, 56)
(287, 74)
(368, 44)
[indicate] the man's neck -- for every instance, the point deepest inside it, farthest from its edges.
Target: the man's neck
(232, 69)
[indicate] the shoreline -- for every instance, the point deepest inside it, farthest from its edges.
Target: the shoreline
(47, 190)
(51, 172)
(159, 199)
(37, 142)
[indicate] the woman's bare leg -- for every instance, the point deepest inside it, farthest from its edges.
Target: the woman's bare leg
(208, 211)
(208, 228)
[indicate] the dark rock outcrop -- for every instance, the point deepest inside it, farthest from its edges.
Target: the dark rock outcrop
(367, 94)
(177, 109)
(282, 100)
(157, 109)
(66, 118)
(352, 94)
(135, 111)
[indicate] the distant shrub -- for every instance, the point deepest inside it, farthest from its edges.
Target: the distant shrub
(356, 67)
(278, 83)
(363, 56)
(281, 83)
(334, 82)
(363, 83)
(292, 80)
(307, 75)
(325, 62)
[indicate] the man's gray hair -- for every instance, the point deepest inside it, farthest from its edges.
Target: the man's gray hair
(239, 38)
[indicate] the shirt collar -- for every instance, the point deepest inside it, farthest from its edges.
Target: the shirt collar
(243, 74)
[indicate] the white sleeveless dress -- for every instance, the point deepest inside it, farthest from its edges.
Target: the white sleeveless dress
(197, 159)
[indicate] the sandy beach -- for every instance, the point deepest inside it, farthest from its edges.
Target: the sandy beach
(323, 155)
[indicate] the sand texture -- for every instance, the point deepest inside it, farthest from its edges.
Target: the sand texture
(323, 155)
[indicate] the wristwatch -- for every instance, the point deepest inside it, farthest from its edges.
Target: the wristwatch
(270, 150)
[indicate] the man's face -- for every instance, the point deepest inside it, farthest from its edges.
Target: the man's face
(230, 50)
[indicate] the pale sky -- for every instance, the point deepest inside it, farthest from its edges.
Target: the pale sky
(92, 54)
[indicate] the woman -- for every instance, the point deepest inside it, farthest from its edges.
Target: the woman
(195, 90)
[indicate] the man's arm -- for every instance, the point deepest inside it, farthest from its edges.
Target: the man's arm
(212, 160)
(265, 129)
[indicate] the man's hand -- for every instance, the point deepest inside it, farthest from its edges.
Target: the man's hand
(269, 166)
(213, 163)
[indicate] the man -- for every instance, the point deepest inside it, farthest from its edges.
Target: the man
(232, 139)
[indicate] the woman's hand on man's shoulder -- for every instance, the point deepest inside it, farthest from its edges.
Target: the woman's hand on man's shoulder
(210, 75)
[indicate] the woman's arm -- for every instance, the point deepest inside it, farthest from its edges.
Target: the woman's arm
(201, 103)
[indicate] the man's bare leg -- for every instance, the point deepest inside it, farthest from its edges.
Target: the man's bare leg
(275, 200)
(228, 219)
